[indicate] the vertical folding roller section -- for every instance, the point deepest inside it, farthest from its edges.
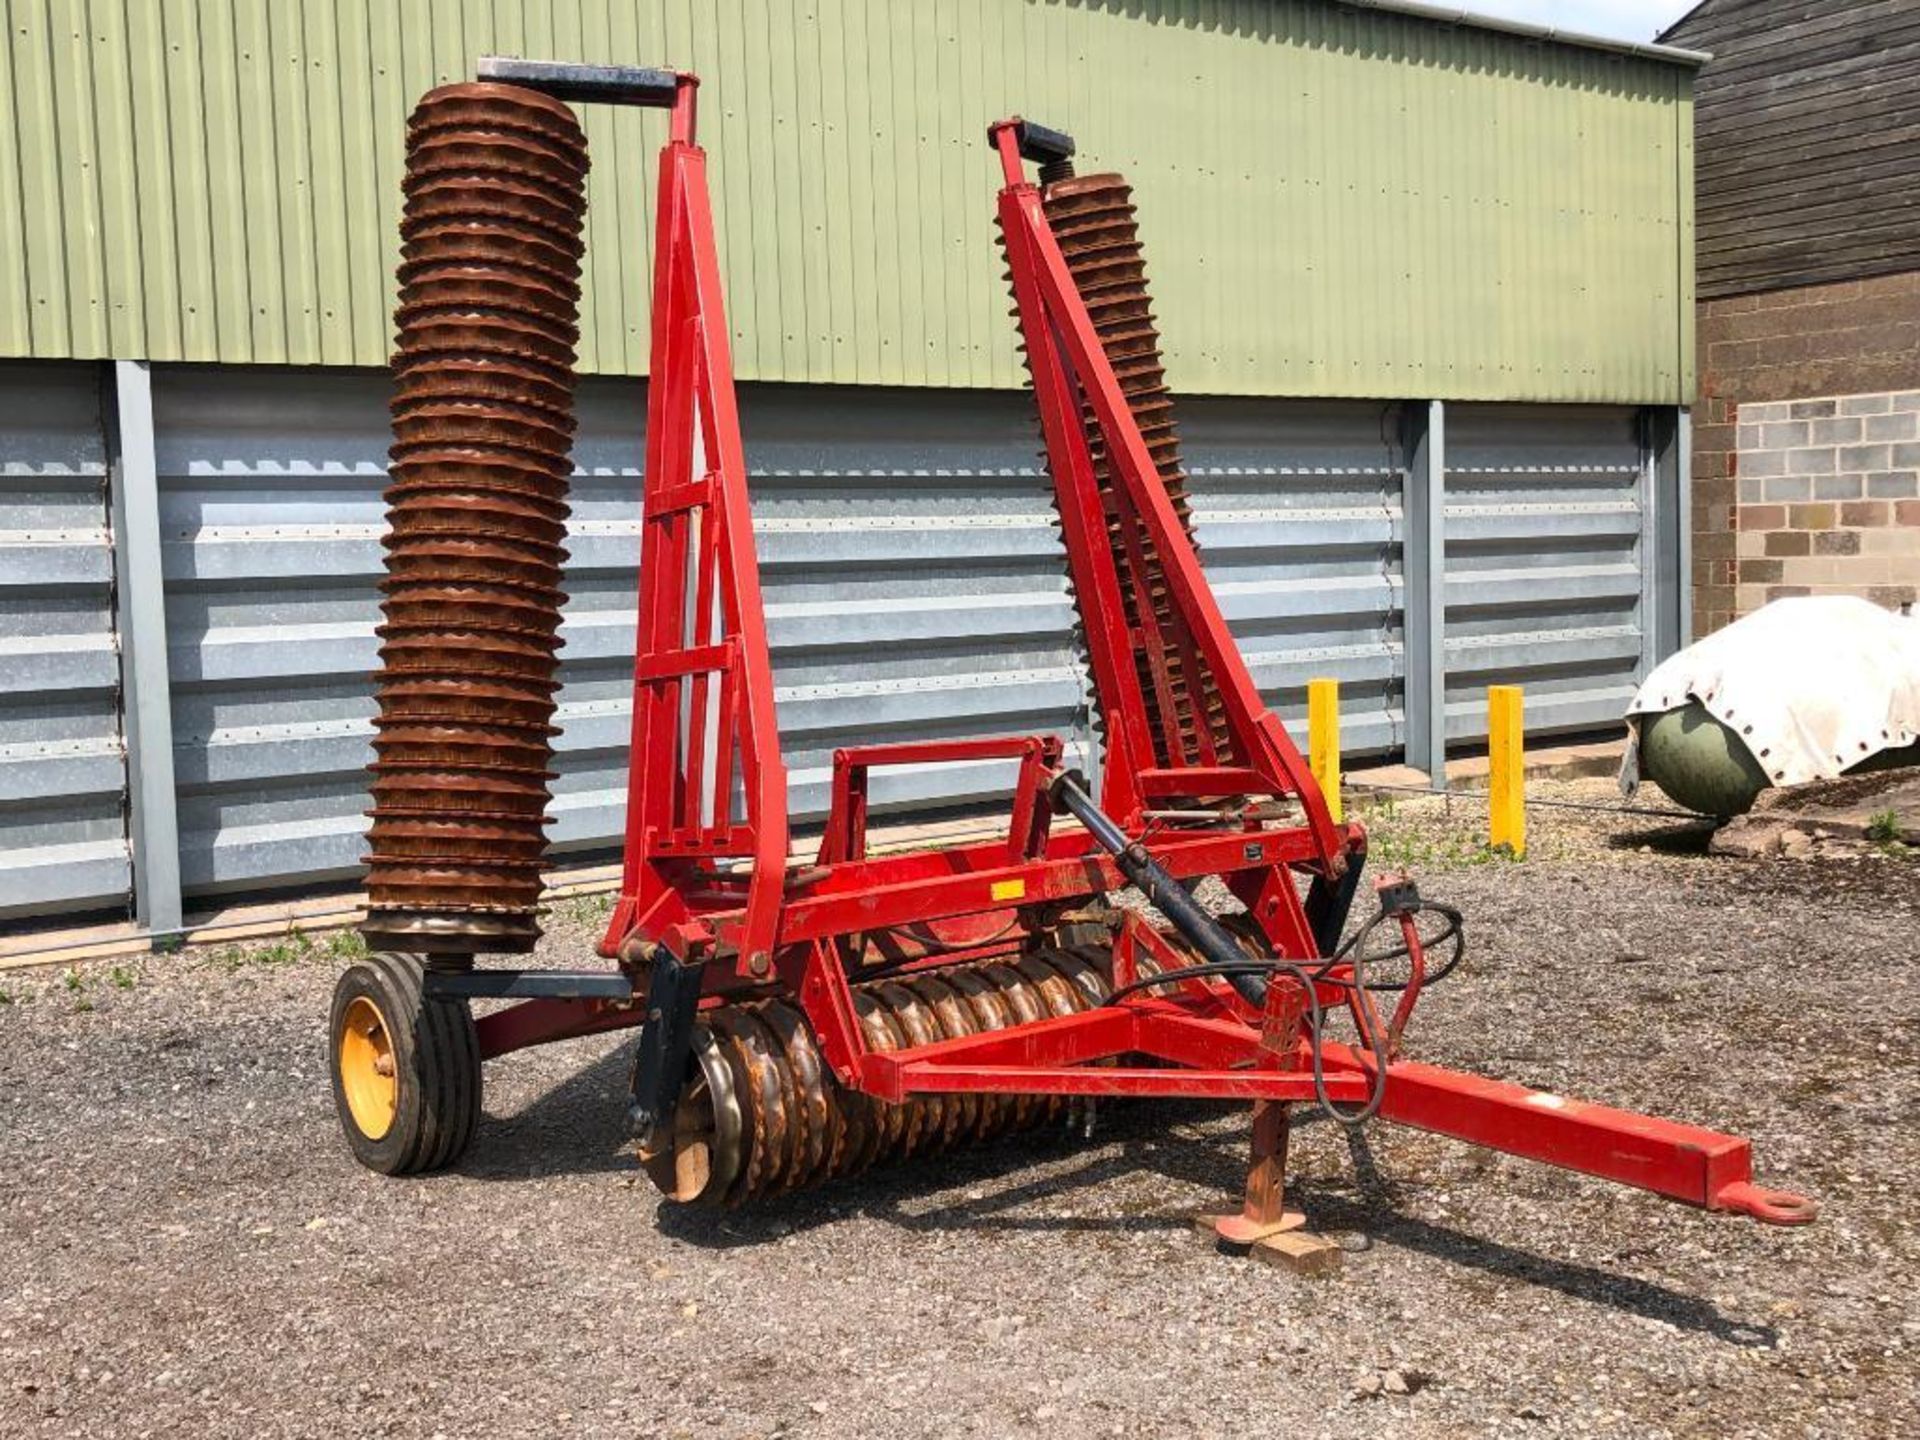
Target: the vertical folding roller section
(1093, 219)
(483, 430)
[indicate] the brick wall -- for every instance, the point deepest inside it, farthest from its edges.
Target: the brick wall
(1806, 455)
(1828, 497)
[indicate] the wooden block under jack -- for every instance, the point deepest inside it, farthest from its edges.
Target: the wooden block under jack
(1301, 1251)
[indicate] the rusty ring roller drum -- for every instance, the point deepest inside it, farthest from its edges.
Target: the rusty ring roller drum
(483, 423)
(426, 510)
(763, 1114)
(484, 378)
(506, 606)
(1092, 217)
(525, 248)
(496, 475)
(436, 698)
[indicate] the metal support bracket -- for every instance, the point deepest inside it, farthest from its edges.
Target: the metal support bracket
(589, 84)
(666, 1038)
(529, 985)
(1035, 143)
(1329, 902)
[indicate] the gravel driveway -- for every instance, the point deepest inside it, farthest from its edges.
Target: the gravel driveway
(188, 1249)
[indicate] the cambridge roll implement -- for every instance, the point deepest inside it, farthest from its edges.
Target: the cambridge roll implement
(800, 1020)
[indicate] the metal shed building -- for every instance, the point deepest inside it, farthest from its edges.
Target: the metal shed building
(1425, 283)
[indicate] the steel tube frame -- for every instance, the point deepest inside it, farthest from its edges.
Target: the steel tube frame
(1682, 1162)
(703, 680)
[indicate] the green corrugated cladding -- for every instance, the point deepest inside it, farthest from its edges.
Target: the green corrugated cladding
(1335, 201)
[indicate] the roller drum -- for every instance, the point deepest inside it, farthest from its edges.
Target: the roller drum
(1092, 218)
(764, 1115)
(483, 423)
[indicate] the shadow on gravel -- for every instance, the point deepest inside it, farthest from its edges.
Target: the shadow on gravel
(1644, 1298)
(1373, 1214)
(915, 1195)
(1146, 1144)
(577, 1128)
(1687, 838)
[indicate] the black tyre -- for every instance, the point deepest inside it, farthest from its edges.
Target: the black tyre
(406, 1069)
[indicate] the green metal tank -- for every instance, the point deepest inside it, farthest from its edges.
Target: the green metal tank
(1700, 762)
(1703, 765)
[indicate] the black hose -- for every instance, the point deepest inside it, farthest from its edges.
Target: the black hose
(1316, 1023)
(1364, 1019)
(1353, 952)
(1454, 930)
(1172, 898)
(1211, 970)
(1249, 976)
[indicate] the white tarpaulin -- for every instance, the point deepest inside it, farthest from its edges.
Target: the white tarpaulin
(1813, 685)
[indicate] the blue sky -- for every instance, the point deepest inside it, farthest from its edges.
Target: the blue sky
(1623, 19)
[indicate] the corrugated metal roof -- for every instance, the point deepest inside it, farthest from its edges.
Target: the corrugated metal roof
(1337, 201)
(1554, 34)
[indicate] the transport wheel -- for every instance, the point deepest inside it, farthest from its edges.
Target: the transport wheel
(406, 1069)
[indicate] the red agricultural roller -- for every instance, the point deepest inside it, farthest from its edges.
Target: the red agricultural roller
(803, 1018)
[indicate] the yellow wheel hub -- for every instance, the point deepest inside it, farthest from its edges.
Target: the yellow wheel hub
(367, 1069)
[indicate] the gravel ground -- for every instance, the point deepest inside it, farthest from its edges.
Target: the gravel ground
(189, 1249)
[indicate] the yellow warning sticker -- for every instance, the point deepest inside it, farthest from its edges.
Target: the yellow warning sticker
(1008, 889)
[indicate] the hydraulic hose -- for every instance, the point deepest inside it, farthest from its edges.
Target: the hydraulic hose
(1172, 898)
(1224, 959)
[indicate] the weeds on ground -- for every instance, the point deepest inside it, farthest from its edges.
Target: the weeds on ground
(587, 911)
(292, 948)
(1441, 833)
(1884, 828)
(121, 977)
(297, 946)
(1411, 849)
(75, 983)
(6, 997)
(346, 945)
(1375, 808)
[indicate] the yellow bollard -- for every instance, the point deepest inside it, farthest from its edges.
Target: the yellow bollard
(1323, 741)
(1507, 758)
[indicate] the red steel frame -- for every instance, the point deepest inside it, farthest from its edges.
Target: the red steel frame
(707, 877)
(703, 686)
